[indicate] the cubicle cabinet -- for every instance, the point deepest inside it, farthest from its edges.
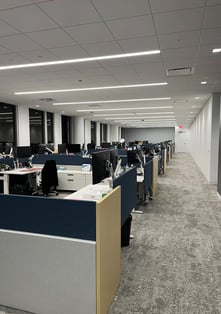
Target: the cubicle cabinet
(73, 180)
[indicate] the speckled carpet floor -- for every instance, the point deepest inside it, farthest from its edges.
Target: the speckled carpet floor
(173, 264)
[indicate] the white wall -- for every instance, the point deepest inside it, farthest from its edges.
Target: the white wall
(205, 138)
(153, 135)
(87, 132)
(114, 133)
(78, 130)
(182, 140)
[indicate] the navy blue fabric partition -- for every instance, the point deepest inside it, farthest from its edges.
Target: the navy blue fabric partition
(128, 183)
(8, 161)
(50, 216)
(62, 159)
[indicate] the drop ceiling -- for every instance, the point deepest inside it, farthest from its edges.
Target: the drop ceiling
(185, 32)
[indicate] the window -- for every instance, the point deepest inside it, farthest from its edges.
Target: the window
(7, 123)
(36, 122)
(66, 129)
(50, 127)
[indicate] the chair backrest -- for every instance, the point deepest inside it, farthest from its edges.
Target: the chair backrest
(49, 176)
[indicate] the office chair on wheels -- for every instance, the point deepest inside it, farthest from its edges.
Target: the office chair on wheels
(49, 178)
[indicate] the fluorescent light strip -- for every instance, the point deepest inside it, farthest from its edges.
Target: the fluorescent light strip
(99, 58)
(89, 88)
(108, 101)
(216, 50)
(123, 109)
(130, 114)
(125, 118)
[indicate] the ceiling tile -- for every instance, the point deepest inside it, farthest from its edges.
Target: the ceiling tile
(11, 58)
(52, 38)
(19, 43)
(90, 33)
(27, 19)
(69, 12)
(178, 40)
(116, 9)
(3, 50)
(173, 5)
(6, 29)
(211, 36)
(212, 17)
(179, 54)
(40, 55)
(132, 27)
(4, 5)
(102, 49)
(213, 2)
(179, 21)
(144, 43)
(69, 52)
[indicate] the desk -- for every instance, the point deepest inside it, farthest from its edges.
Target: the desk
(69, 180)
(4, 175)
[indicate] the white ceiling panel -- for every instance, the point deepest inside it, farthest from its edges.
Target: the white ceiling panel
(6, 29)
(27, 19)
(212, 17)
(40, 55)
(211, 36)
(19, 42)
(178, 40)
(102, 48)
(69, 29)
(69, 12)
(178, 21)
(132, 27)
(90, 33)
(116, 9)
(52, 38)
(69, 52)
(144, 43)
(172, 5)
(4, 5)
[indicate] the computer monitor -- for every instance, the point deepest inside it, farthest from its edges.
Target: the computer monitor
(100, 166)
(73, 148)
(105, 145)
(114, 157)
(132, 158)
(8, 148)
(1, 148)
(34, 148)
(61, 148)
(23, 152)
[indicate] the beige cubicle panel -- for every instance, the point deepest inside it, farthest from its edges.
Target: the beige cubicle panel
(155, 175)
(108, 239)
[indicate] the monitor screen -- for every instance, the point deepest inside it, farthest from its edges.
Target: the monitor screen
(91, 146)
(1, 148)
(100, 166)
(61, 148)
(23, 152)
(8, 147)
(73, 148)
(114, 158)
(132, 158)
(34, 148)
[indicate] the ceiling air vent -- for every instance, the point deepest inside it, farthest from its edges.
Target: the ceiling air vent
(179, 71)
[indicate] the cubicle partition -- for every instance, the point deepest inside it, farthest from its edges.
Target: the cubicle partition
(59, 255)
(62, 159)
(128, 183)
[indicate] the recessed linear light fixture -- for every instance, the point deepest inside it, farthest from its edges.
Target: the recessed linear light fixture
(89, 88)
(108, 101)
(99, 58)
(146, 118)
(130, 114)
(203, 82)
(123, 109)
(216, 50)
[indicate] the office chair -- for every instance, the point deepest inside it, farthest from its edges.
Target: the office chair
(49, 178)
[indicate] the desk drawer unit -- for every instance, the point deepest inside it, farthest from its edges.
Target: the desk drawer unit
(71, 181)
